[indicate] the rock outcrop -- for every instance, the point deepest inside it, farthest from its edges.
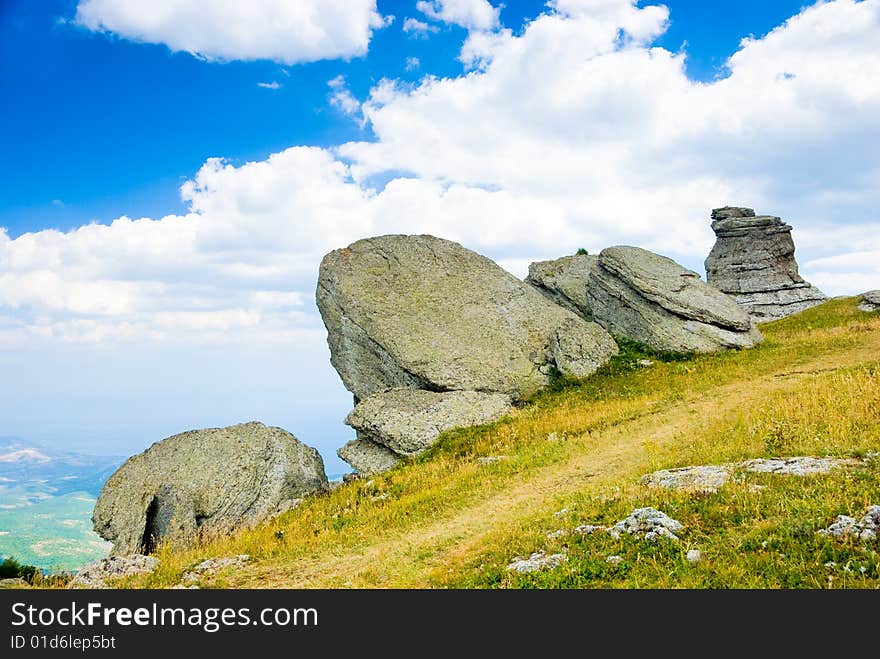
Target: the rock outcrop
(96, 573)
(205, 482)
(408, 421)
(367, 457)
(753, 261)
(645, 297)
(564, 280)
(870, 301)
(425, 313)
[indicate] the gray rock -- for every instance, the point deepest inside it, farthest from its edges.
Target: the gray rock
(409, 421)
(425, 313)
(536, 562)
(96, 573)
(564, 280)
(694, 556)
(753, 261)
(614, 560)
(708, 478)
(649, 523)
(870, 301)
(14, 582)
(651, 299)
(203, 483)
(367, 457)
(589, 529)
(865, 529)
(491, 459)
(797, 466)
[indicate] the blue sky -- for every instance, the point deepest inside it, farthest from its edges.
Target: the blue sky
(523, 131)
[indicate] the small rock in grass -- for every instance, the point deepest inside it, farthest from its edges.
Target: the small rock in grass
(536, 562)
(553, 535)
(694, 556)
(648, 521)
(589, 529)
(614, 560)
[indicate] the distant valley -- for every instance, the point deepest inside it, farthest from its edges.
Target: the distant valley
(46, 501)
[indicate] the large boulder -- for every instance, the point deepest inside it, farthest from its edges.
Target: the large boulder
(367, 457)
(870, 301)
(205, 482)
(564, 280)
(425, 313)
(753, 261)
(409, 421)
(653, 300)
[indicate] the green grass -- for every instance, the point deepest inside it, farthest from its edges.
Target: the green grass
(447, 520)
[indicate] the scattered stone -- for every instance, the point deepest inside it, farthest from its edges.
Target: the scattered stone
(694, 556)
(553, 535)
(425, 313)
(536, 562)
(491, 459)
(753, 261)
(589, 529)
(614, 560)
(367, 457)
(211, 566)
(561, 512)
(797, 466)
(710, 478)
(409, 421)
(648, 522)
(706, 479)
(96, 573)
(205, 482)
(645, 362)
(14, 582)
(870, 301)
(844, 526)
(564, 281)
(651, 299)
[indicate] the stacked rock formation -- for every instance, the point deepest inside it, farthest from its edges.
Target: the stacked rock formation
(205, 482)
(644, 297)
(753, 261)
(870, 301)
(429, 336)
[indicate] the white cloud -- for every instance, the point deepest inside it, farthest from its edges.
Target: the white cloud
(270, 85)
(341, 97)
(412, 63)
(567, 136)
(288, 32)
(417, 28)
(470, 14)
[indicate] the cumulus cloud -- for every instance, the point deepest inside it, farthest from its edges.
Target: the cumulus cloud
(469, 14)
(341, 97)
(579, 132)
(270, 85)
(417, 28)
(288, 32)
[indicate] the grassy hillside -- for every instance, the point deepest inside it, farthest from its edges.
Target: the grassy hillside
(575, 456)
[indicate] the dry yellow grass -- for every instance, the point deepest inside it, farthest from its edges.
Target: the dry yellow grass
(811, 389)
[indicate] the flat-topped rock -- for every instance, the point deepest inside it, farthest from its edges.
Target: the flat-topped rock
(367, 457)
(753, 261)
(409, 421)
(425, 313)
(651, 299)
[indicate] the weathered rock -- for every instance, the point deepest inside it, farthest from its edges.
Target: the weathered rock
(708, 478)
(694, 556)
(867, 528)
(13, 582)
(753, 261)
(209, 481)
(536, 562)
(614, 560)
(96, 573)
(367, 457)
(651, 299)
(797, 466)
(564, 280)
(409, 421)
(650, 523)
(870, 301)
(425, 313)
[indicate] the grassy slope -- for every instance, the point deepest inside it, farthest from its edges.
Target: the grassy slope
(446, 520)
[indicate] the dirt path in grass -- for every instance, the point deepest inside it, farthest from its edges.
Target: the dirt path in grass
(421, 557)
